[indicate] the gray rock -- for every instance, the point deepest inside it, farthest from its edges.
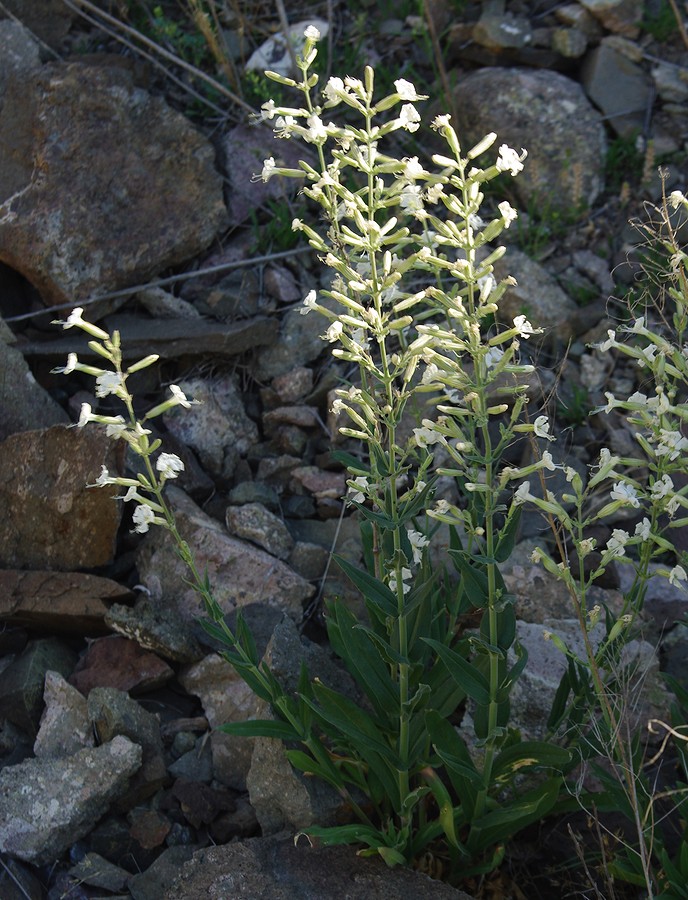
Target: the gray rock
(47, 805)
(570, 42)
(51, 519)
(85, 221)
(299, 343)
(196, 764)
(157, 628)
(113, 713)
(65, 727)
(96, 871)
(549, 115)
(274, 868)
(282, 797)
(157, 879)
(671, 82)
(498, 29)
(49, 20)
(225, 697)
(619, 87)
(255, 523)
(239, 573)
(19, 52)
(618, 16)
(24, 404)
(218, 430)
(22, 683)
(17, 882)
(537, 296)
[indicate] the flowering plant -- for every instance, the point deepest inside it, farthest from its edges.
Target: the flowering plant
(413, 308)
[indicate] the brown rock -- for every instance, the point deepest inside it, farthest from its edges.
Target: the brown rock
(58, 602)
(51, 519)
(119, 663)
(76, 220)
(49, 20)
(239, 573)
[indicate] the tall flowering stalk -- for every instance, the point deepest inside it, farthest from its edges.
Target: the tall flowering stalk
(413, 305)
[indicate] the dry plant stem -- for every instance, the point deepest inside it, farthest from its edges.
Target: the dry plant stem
(580, 853)
(77, 5)
(210, 35)
(679, 21)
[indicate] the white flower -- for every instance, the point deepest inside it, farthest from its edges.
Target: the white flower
(642, 529)
(357, 486)
(317, 133)
(116, 429)
(143, 518)
(308, 303)
(671, 443)
(311, 33)
(522, 494)
(611, 402)
(638, 398)
(169, 465)
(541, 428)
(441, 122)
(626, 493)
(648, 355)
(268, 168)
(434, 192)
(410, 198)
(524, 328)
(547, 461)
(180, 396)
(282, 128)
(661, 488)
(405, 576)
(609, 343)
(109, 383)
(418, 541)
(75, 318)
(615, 544)
(676, 198)
(72, 363)
(406, 90)
(428, 435)
(86, 415)
(492, 357)
(508, 213)
(409, 118)
(677, 574)
(268, 110)
(536, 555)
(509, 160)
(672, 506)
(104, 477)
(334, 90)
(412, 168)
(587, 545)
(334, 332)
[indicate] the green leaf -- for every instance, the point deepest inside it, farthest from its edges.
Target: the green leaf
(528, 754)
(507, 537)
(474, 579)
(372, 589)
(445, 808)
(451, 749)
(380, 519)
(501, 824)
(261, 728)
(467, 677)
(352, 643)
(350, 462)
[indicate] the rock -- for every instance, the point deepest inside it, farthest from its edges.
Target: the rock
(299, 343)
(671, 82)
(201, 804)
(550, 114)
(239, 573)
(83, 221)
(275, 868)
(169, 339)
(282, 797)
(155, 628)
(533, 693)
(17, 882)
(149, 827)
(218, 430)
(255, 492)
(246, 148)
(570, 42)
(22, 683)
(618, 16)
(538, 296)
(498, 29)
(293, 385)
(59, 602)
(24, 404)
(618, 87)
(51, 518)
(49, 20)
(578, 17)
(155, 882)
(97, 872)
(115, 662)
(225, 697)
(65, 727)
(161, 304)
(195, 765)
(113, 713)
(274, 53)
(47, 805)
(19, 52)
(255, 523)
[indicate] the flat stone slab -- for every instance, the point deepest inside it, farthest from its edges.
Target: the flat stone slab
(274, 869)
